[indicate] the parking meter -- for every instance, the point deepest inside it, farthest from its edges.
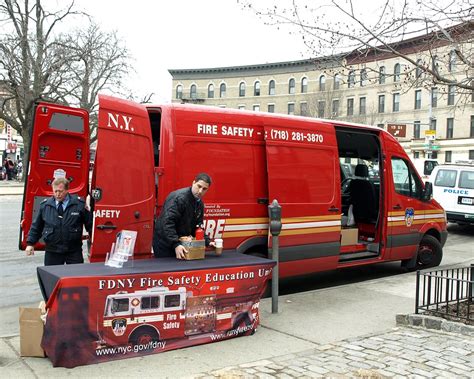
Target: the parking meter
(274, 214)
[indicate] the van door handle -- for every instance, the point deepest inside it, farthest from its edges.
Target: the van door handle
(333, 209)
(103, 227)
(397, 206)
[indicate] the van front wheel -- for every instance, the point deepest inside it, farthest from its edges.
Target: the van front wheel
(429, 253)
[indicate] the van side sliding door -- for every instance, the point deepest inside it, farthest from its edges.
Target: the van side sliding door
(303, 176)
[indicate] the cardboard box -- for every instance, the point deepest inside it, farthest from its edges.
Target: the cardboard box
(349, 236)
(196, 248)
(195, 253)
(31, 331)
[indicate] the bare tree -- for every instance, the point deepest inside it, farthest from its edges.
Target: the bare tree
(434, 38)
(40, 62)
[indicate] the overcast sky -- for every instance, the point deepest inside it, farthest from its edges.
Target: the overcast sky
(175, 34)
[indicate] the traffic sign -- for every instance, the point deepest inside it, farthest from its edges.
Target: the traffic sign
(397, 130)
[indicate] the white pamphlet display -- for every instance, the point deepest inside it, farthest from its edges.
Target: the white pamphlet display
(122, 248)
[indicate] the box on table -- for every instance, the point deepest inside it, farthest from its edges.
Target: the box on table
(196, 248)
(349, 236)
(31, 331)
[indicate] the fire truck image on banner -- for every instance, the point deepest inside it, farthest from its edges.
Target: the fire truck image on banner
(158, 314)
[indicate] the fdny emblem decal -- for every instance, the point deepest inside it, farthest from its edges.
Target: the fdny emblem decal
(96, 194)
(409, 216)
(119, 325)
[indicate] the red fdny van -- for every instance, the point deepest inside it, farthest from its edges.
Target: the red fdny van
(349, 193)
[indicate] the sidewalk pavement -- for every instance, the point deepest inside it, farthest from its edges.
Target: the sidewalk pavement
(344, 331)
(11, 187)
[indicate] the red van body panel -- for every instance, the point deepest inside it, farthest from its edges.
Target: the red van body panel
(123, 181)
(59, 148)
(144, 152)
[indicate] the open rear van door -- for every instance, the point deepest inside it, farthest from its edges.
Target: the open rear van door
(122, 191)
(59, 148)
(304, 176)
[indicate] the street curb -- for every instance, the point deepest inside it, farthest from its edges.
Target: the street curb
(433, 322)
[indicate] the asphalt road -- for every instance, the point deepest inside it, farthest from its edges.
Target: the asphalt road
(19, 284)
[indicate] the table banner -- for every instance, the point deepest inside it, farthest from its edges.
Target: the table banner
(95, 319)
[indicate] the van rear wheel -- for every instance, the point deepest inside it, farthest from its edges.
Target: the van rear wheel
(429, 253)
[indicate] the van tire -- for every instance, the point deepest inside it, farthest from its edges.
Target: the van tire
(429, 253)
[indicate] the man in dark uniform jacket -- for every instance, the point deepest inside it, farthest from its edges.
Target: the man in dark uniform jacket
(182, 213)
(59, 221)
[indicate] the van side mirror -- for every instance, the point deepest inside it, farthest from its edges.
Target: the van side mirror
(427, 192)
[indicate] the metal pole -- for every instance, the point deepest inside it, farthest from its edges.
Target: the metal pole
(274, 214)
(275, 273)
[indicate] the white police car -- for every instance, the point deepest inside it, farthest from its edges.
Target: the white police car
(453, 188)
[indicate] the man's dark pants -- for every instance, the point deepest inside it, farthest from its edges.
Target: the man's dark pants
(54, 259)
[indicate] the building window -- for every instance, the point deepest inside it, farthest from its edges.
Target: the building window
(362, 105)
(433, 124)
(381, 126)
(351, 78)
(448, 156)
(434, 63)
(471, 134)
(337, 81)
(222, 90)
(321, 106)
(471, 154)
(322, 83)
(363, 77)
(396, 102)
(193, 92)
(210, 91)
(416, 154)
(304, 85)
(291, 86)
(335, 109)
(419, 69)
(256, 108)
(179, 91)
(350, 107)
(271, 87)
(434, 155)
(291, 108)
(242, 89)
(396, 73)
(241, 107)
(449, 128)
(416, 129)
(381, 103)
(382, 75)
(271, 108)
(451, 93)
(452, 61)
(256, 89)
(304, 109)
(434, 97)
(418, 99)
